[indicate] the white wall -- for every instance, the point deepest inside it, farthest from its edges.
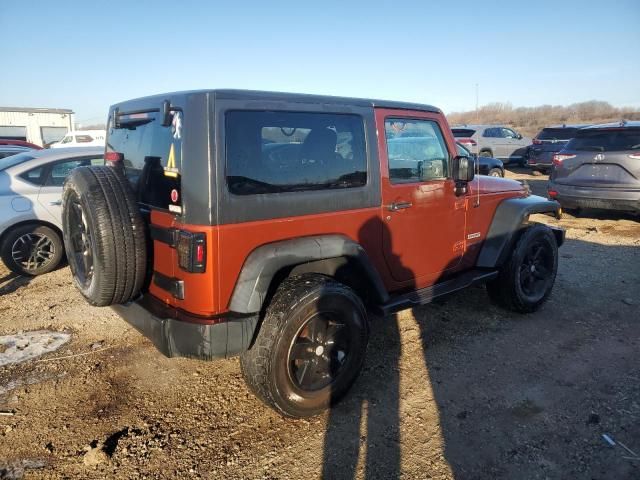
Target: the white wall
(33, 121)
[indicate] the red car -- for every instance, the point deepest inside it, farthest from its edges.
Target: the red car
(21, 143)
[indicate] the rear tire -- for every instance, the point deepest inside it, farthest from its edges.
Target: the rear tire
(525, 281)
(310, 347)
(32, 249)
(104, 235)
(486, 153)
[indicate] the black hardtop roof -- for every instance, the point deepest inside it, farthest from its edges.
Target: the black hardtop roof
(231, 94)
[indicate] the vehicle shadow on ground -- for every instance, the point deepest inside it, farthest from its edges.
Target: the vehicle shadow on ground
(11, 282)
(509, 405)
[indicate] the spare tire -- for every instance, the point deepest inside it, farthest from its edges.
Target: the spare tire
(104, 235)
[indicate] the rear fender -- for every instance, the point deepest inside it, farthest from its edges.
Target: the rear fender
(324, 254)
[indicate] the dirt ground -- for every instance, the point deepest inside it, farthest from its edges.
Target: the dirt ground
(457, 389)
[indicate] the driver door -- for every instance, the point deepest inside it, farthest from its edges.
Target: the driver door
(424, 219)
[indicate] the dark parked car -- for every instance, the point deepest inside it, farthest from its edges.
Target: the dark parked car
(486, 165)
(599, 168)
(550, 140)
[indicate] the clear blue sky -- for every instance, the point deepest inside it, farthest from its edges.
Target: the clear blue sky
(87, 55)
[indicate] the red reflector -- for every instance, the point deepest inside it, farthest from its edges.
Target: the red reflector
(552, 193)
(200, 253)
(535, 141)
(113, 156)
(558, 158)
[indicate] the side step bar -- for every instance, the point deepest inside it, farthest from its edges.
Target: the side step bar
(428, 294)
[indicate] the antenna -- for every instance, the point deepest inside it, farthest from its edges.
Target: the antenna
(477, 204)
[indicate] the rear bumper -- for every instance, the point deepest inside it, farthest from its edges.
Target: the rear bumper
(540, 160)
(222, 337)
(602, 198)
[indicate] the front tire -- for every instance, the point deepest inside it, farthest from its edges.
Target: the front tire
(486, 153)
(525, 281)
(310, 347)
(496, 172)
(32, 250)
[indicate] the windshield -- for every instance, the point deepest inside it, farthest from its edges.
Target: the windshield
(14, 160)
(557, 133)
(606, 140)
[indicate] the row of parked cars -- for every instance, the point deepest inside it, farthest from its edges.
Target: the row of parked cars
(590, 166)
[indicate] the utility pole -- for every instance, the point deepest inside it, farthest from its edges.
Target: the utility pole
(477, 112)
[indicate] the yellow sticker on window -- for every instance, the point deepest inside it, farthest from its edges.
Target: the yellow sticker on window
(171, 170)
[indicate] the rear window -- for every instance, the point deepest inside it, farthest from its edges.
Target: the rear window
(152, 155)
(462, 132)
(606, 140)
(14, 160)
(274, 152)
(557, 133)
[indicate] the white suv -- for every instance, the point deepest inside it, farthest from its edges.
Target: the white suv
(494, 141)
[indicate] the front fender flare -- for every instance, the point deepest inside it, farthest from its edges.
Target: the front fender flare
(508, 219)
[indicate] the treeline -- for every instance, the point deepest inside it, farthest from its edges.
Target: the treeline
(529, 120)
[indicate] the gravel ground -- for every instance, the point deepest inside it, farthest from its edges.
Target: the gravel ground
(456, 389)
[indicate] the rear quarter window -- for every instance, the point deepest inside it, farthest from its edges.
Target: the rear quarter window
(275, 152)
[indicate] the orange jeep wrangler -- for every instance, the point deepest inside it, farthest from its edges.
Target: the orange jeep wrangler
(267, 225)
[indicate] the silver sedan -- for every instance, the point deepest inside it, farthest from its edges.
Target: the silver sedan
(30, 206)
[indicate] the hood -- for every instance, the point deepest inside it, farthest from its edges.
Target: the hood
(494, 185)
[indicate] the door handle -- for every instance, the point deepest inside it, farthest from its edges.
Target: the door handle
(57, 203)
(394, 207)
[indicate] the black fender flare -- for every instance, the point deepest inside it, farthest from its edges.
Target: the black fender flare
(263, 263)
(510, 216)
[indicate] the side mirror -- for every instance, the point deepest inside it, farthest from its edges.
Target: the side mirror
(519, 136)
(463, 172)
(463, 169)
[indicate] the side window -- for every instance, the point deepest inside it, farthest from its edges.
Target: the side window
(84, 138)
(274, 152)
(33, 176)
(491, 132)
(416, 150)
(508, 133)
(60, 170)
(67, 139)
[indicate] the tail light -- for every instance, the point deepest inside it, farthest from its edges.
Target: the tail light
(635, 156)
(552, 193)
(113, 156)
(535, 141)
(558, 158)
(468, 142)
(192, 251)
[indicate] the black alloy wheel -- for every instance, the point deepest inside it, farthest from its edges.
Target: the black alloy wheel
(81, 255)
(319, 352)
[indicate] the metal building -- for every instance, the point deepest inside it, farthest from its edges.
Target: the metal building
(41, 126)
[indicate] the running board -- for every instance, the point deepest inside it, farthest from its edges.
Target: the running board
(428, 294)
